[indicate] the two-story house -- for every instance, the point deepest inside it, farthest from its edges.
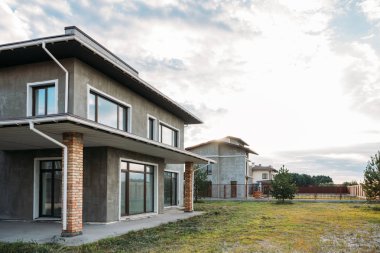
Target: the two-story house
(262, 173)
(84, 138)
(229, 177)
(262, 177)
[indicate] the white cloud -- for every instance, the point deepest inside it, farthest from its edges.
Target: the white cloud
(371, 9)
(12, 27)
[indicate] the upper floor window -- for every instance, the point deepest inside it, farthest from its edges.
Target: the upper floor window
(151, 128)
(42, 98)
(209, 169)
(168, 135)
(265, 176)
(108, 112)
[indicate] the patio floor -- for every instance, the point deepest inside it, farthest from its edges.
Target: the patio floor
(45, 232)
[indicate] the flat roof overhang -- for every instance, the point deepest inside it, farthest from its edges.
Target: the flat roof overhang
(81, 46)
(16, 135)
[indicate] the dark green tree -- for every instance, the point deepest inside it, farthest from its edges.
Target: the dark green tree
(283, 186)
(347, 183)
(305, 180)
(200, 182)
(321, 180)
(301, 179)
(371, 184)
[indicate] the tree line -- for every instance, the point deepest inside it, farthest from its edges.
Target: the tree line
(305, 180)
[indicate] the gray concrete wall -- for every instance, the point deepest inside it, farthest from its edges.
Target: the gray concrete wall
(113, 167)
(13, 93)
(95, 184)
(17, 182)
(227, 169)
(13, 85)
(207, 150)
(210, 150)
(232, 168)
(100, 182)
(85, 75)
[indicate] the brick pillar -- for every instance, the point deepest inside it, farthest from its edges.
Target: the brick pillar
(74, 143)
(189, 174)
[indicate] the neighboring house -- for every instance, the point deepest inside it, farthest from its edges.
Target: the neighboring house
(231, 169)
(84, 138)
(262, 173)
(262, 176)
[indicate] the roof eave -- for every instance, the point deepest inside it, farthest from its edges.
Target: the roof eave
(187, 116)
(80, 121)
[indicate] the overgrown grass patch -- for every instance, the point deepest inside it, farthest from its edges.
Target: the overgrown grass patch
(248, 227)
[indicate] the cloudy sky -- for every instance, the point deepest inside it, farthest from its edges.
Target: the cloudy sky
(297, 80)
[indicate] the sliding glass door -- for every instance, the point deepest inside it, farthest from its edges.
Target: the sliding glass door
(137, 188)
(50, 188)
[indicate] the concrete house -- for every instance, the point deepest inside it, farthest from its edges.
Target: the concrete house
(83, 138)
(230, 176)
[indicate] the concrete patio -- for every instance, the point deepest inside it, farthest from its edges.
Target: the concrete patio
(47, 232)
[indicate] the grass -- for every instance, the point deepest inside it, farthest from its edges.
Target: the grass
(248, 227)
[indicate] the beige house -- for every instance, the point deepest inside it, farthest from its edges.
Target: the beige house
(262, 173)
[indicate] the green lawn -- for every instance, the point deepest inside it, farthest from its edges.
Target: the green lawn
(248, 227)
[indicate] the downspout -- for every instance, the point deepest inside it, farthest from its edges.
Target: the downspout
(66, 76)
(64, 207)
(32, 128)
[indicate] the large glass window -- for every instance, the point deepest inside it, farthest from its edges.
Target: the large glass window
(170, 188)
(107, 112)
(137, 188)
(44, 100)
(168, 135)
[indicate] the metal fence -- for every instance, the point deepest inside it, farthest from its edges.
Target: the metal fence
(323, 192)
(232, 191)
(258, 191)
(329, 189)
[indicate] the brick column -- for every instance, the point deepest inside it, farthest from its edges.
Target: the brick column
(74, 143)
(189, 174)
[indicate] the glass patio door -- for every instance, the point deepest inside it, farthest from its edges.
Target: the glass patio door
(137, 188)
(170, 188)
(50, 188)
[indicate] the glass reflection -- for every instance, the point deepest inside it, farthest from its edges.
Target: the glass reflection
(51, 100)
(136, 193)
(107, 112)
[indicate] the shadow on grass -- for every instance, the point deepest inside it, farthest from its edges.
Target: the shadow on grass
(280, 202)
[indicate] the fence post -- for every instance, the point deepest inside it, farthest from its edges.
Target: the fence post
(225, 191)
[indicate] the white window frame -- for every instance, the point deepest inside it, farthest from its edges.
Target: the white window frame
(155, 173)
(178, 187)
(155, 126)
(29, 95)
(129, 107)
(266, 175)
(160, 122)
(36, 184)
